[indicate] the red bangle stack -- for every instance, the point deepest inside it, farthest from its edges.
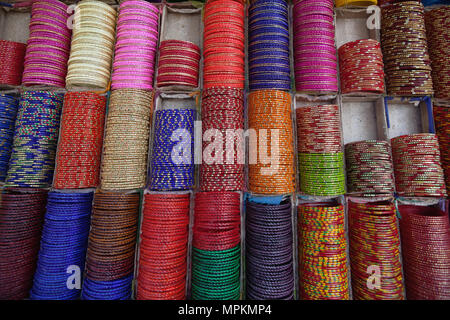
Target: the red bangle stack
(217, 221)
(224, 44)
(425, 234)
(361, 66)
(178, 64)
(163, 247)
(81, 138)
(12, 55)
(222, 110)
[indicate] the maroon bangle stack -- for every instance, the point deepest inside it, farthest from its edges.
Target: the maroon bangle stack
(178, 64)
(222, 110)
(21, 218)
(12, 55)
(425, 234)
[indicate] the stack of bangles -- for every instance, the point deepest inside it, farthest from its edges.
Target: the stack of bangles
(361, 67)
(315, 62)
(356, 3)
(268, 45)
(36, 135)
(63, 244)
(224, 44)
(417, 166)
(80, 142)
(222, 111)
(48, 46)
(92, 47)
(125, 148)
(111, 248)
(323, 273)
(21, 217)
(12, 55)
(8, 112)
(270, 114)
(268, 258)
(178, 64)
(135, 48)
(442, 123)
(405, 50)
(370, 171)
(216, 252)
(374, 246)
(438, 36)
(171, 168)
(425, 235)
(163, 247)
(320, 157)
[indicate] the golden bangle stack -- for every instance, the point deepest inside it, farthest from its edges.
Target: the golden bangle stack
(125, 148)
(92, 47)
(356, 3)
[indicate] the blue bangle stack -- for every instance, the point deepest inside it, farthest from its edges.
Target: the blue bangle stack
(8, 113)
(268, 45)
(172, 165)
(63, 246)
(36, 135)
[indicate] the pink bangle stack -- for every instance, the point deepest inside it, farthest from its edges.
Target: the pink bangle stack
(315, 60)
(137, 38)
(48, 47)
(178, 64)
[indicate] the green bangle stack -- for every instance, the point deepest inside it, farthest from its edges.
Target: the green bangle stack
(322, 174)
(216, 274)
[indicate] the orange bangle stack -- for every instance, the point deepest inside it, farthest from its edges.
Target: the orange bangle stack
(270, 114)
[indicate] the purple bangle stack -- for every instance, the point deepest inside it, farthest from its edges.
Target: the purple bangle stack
(315, 60)
(137, 38)
(48, 46)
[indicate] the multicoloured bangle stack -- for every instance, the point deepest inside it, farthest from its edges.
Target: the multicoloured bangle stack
(425, 235)
(374, 245)
(315, 62)
(36, 135)
(80, 142)
(268, 45)
(370, 171)
(92, 49)
(361, 67)
(135, 49)
(125, 149)
(405, 52)
(163, 247)
(216, 253)
(442, 123)
(8, 112)
(224, 44)
(270, 116)
(222, 111)
(438, 36)
(268, 258)
(21, 216)
(417, 166)
(323, 273)
(320, 158)
(48, 46)
(111, 247)
(63, 245)
(12, 55)
(178, 64)
(172, 164)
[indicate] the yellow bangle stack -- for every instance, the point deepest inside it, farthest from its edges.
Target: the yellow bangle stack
(356, 3)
